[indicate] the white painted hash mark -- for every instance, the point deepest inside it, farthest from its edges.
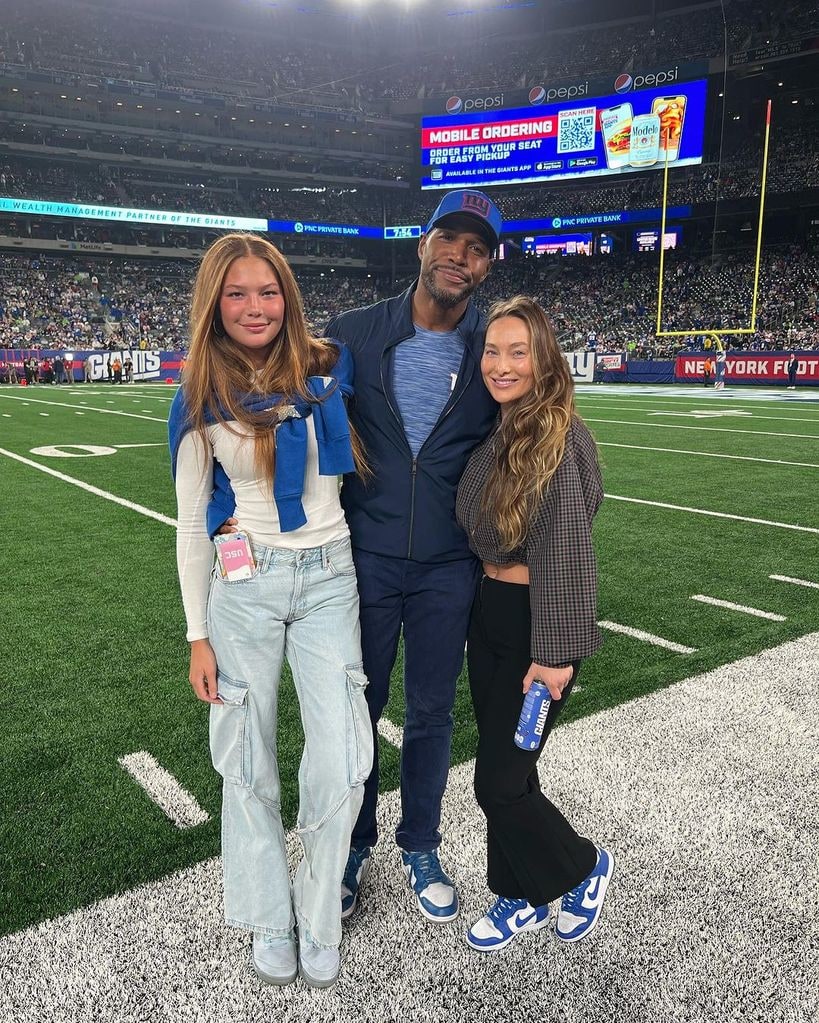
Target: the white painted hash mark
(796, 582)
(715, 514)
(739, 607)
(648, 637)
(91, 490)
(392, 733)
(164, 790)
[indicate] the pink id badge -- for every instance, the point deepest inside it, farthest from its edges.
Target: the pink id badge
(235, 556)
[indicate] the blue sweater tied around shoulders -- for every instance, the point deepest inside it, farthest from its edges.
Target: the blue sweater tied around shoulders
(335, 452)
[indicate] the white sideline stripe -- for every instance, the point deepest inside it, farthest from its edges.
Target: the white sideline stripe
(391, 732)
(715, 514)
(707, 454)
(90, 489)
(648, 637)
(796, 582)
(106, 411)
(707, 429)
(739, 607)
(164, 790)
(615, 403)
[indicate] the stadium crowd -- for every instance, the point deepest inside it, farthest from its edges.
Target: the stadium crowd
(56, 302)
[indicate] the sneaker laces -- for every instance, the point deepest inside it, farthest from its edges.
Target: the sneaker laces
(503, 908)
(354, 861)
(572, 899)
(428, 865)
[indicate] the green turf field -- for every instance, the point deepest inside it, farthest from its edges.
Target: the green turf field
(94, 662)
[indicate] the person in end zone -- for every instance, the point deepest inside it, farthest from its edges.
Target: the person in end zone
(261, 420)
(526, 500)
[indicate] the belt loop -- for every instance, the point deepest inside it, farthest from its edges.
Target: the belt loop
(324, 559)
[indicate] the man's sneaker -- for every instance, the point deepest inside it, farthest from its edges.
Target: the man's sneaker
(507, 918)
(580, 908)
(274, 959)
(318, 966)
(435, 893)
(358, 866)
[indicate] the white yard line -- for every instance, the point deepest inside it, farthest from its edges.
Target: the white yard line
(89, 408)
(149, 513)
(796, 582)
(613, 403)
(706, 429)
(392, 733)
(707, 454)
(714, 514)
(647, 637)
(731, 606)
(164, 790)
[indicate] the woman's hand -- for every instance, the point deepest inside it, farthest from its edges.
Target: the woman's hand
(228, 526)
(555, 679)
(202, 674)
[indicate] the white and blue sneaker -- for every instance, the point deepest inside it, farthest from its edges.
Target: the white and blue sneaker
(434, 892)
(358, 866)
(580, 908)
(504, 921)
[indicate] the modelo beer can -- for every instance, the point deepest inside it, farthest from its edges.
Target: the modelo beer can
(644, 149)
(533, 716)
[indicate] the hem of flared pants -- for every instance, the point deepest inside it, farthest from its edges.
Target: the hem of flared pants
(270, 932)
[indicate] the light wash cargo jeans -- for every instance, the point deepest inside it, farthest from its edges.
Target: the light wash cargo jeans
(302, 605)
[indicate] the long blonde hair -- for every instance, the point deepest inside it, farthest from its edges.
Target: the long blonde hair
(218, 373)
(531, 439)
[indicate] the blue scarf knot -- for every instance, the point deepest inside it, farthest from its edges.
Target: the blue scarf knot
(335, 452)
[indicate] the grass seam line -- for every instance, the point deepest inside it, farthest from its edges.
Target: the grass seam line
(714, 514)
(162, 788)
(131, 505)
(731, 606)
(647, 637)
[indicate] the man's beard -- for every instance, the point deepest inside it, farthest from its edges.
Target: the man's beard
(445, 299)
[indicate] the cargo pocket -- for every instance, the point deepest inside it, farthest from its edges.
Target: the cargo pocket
(359, 727)
(228, 731)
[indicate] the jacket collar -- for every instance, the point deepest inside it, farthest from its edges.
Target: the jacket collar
(468, 326)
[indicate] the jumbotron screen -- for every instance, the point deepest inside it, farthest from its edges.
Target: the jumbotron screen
(612, 134)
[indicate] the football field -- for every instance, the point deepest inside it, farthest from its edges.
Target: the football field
(708, 548)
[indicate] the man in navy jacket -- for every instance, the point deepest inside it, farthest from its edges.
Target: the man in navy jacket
(420, 407)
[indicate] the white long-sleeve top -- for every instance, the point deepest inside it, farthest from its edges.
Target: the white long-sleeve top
(255, 509)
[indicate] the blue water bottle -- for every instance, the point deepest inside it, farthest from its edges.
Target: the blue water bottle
(533, 716)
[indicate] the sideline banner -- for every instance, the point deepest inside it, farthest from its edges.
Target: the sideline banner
(752, 367)
(148, 365)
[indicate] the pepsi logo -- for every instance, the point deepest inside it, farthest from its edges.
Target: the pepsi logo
(622, 83)
(454, 104)
(537, 94)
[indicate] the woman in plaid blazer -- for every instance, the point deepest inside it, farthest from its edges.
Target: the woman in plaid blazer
(527, 500)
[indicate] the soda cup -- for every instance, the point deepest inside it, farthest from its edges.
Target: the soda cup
(533, 716)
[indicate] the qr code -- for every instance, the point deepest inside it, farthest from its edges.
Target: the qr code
(575, 130)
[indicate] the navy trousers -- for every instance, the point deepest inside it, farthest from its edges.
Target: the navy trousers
(432, 604)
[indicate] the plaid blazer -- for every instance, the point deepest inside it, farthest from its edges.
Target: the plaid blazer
(557, 549)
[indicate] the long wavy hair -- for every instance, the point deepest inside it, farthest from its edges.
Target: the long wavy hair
(531, 439)
(218, 372)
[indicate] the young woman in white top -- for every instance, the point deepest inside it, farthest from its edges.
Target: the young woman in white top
(259, 432)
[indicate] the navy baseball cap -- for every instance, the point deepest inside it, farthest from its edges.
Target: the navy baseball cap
(468, 203)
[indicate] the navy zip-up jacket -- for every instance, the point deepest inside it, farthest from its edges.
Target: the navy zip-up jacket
(407, 510)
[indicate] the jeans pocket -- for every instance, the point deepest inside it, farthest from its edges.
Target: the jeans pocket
(340, 561)
(359, 727)
(228, 731)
